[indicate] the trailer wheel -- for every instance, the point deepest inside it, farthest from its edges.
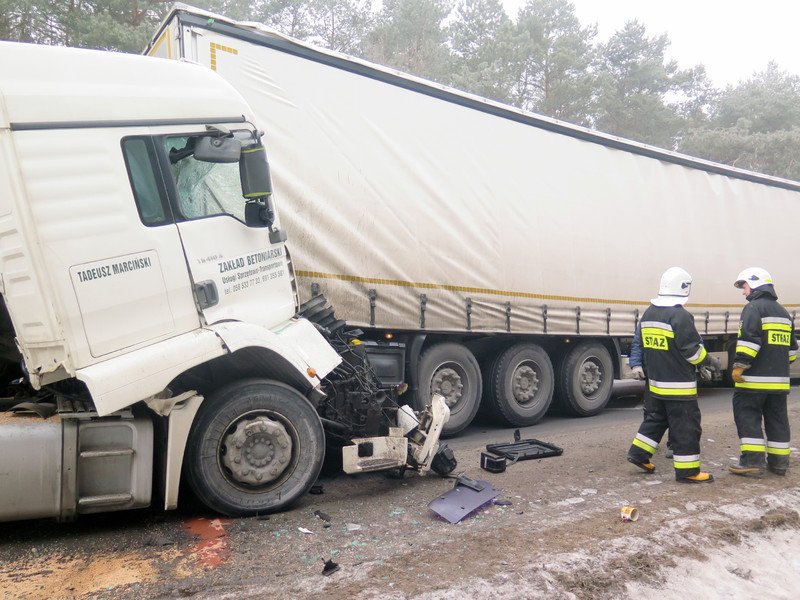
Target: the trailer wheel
(451, 370)
(585, 378)
(255, 447)
(520, 388)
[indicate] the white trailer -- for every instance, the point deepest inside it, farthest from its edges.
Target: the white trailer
(148, 326)
(507, 254)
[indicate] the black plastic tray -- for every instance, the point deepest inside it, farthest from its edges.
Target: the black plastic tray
(525, 449)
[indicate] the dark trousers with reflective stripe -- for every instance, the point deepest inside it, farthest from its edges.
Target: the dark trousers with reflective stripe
(749, 410)
(681, 417)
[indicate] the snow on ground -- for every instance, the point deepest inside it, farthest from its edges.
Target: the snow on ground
(761, 566)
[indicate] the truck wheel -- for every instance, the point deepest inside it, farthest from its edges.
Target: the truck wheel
(585, 378)
(520, 389)
(255, 447)
(451, 370)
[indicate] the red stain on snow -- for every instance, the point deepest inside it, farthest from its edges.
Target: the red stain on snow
(211, 549)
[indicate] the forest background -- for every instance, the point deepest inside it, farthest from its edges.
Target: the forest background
(542, 60)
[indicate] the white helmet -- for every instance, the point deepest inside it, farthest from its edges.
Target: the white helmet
(755, 277)
(675, 286)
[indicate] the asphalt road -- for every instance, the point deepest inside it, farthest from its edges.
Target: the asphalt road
(625, 406)
(571, 502)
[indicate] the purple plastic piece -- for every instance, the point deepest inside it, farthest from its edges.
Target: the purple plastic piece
(462, 500)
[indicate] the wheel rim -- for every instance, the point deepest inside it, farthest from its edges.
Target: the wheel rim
(257, 451)
(525, 381)
(448, 380)
(590, 376)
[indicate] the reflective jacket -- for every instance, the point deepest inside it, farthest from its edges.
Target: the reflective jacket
(766, 343)
(672, 348)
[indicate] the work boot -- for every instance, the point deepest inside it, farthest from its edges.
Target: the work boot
(648, 467)
(701, 477)
(777, 470)
(746, 470)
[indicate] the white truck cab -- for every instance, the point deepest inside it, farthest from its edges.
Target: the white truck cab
(148, 297)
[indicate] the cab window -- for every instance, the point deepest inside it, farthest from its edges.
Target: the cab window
(148, 189)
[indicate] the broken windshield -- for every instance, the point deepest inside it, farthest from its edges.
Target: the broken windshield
(204, 188)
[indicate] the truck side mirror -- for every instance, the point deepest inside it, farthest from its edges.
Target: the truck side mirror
(218, 149)
(257, 213)
(254, 172)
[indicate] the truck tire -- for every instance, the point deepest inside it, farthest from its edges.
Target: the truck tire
(520, 387)
(451, 370)
(584, 379)
(256, 446)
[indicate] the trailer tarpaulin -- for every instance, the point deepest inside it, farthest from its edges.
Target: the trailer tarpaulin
(413, 205)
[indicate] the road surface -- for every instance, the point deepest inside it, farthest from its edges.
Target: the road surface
(561, 536)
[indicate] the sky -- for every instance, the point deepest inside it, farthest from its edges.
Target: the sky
(732, 38)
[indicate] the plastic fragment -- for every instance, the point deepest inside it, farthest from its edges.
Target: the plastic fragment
(329, 567)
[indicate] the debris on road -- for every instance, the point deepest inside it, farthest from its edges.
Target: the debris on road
(629, 513)
(492, 463)
(304, 530)
(353, 527)
(321, 515)
(316, 489)
(568, 501)
(466, 496)
(330, 567)
(524, 449)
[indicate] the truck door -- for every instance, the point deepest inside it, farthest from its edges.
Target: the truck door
(238, 275)
(114, 258)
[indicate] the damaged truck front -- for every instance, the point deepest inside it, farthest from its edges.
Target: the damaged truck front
(149, 319)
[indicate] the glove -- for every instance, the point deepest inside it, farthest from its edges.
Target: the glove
(737, 370)
(710, 369)
(637, 373)
(715, 366)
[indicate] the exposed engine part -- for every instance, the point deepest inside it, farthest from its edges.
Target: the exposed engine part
(376, 433)
(355, 395)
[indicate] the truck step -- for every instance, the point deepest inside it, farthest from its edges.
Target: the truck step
(106, 500)
(105, 453)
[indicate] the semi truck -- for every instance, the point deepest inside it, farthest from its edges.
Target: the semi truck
(150, 330)
(507, 256)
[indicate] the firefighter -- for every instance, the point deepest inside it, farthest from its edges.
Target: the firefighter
(672, 351)
(765, 347)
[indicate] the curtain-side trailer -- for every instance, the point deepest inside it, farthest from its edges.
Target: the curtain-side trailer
(507, 255)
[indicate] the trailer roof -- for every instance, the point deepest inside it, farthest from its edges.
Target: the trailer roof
(45, 87)
(266, 36)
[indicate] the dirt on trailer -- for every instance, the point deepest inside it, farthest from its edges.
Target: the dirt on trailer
(555, 531)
